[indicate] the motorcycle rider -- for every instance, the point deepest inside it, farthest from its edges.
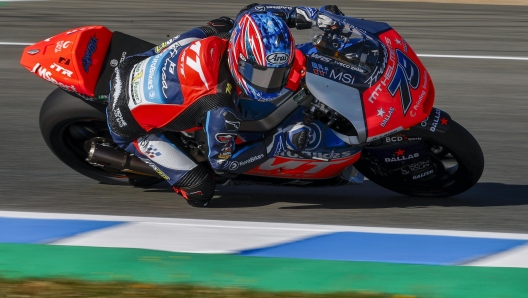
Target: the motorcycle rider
(194, 80)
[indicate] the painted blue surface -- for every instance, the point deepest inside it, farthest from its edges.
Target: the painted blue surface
(410, 249)
(22, 230)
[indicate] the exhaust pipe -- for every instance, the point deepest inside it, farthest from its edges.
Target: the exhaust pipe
(106, 156)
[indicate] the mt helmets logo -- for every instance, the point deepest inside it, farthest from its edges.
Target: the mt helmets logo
(277, 58)
(90, 50)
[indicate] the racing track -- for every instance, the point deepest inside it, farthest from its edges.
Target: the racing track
(488, 97)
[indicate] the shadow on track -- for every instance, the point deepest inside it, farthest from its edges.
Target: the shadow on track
(366, 196)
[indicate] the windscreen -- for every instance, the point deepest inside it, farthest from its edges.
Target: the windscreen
(346, 43)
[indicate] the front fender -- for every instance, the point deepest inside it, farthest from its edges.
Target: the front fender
(437, 121)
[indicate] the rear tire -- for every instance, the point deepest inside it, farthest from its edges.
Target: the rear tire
(66, 123)
(458, 142)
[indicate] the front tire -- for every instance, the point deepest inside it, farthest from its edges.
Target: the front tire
(450, 179)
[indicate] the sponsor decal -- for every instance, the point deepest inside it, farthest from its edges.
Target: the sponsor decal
(421, 97)
(171, 65)
(343, 77)
(380, 136)
(224, 155)
(400, 138)
(280, 145)
(263, 8)
(378, 71)
(152, 152)
(320, 155)
(123, 56)
(317, 166)
(229, 88)
(394, 139)
(434, 124)
(195, 63)
(155, 168)
(321, 57)
(425, 174)
(407, 75)
(232, 123)
(419, 166)
(76, 30)
(150, 84)
(62, 45)
(137, 73)
(226, 150)
(387, 118)
(119, 117)
(314, 138)
(319, 69)
(90, 50)
(164, 45)
(404, 44)
(45, 74)
(235, 165)
(277, 58)
(114, 63)
(61, 69)
(401, 156)
(225, 137)
(374, 95)
(347, 66)
(64, 61)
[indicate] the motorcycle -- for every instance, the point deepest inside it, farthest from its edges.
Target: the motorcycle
(365, 94)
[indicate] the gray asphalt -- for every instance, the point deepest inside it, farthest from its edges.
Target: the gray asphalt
(488, 97)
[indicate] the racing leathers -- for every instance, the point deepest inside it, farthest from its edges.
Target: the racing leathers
(182, 85)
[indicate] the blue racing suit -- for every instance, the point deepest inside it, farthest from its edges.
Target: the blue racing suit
(182, 85)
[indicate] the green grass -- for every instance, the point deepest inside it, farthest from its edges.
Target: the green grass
(69, 288)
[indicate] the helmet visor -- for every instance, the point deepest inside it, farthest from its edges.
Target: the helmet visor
(264, 79)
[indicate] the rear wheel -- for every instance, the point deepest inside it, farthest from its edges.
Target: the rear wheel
(449, 176)
(66, 123)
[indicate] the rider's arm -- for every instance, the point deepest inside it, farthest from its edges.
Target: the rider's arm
(300, 17)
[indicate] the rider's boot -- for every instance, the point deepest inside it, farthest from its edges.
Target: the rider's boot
(197, 187)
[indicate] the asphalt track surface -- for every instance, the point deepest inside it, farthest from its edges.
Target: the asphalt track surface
(488, 97)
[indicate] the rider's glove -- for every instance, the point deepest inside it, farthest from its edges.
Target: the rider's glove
(293, 138)
(333, 9)
(222, 24)
(248, 7)
(304, 16)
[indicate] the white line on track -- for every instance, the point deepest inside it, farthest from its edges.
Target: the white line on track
(419, 55)
(14, 43)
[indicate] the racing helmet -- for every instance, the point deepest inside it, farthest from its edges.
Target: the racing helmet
(261, 54)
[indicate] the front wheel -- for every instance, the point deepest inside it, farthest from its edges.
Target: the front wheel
(428, 175)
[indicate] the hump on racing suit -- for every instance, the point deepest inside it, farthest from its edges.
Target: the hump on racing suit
(169, 87)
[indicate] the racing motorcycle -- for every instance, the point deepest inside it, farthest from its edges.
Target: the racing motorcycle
(365, 94)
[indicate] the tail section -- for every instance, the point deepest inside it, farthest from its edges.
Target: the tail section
(71, 60)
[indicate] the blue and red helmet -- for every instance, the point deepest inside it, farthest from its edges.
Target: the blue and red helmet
(261, 52)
